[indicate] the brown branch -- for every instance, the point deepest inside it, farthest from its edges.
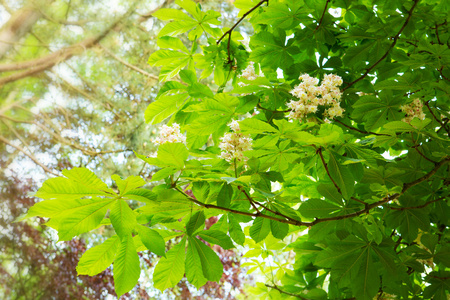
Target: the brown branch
(146, 16)
(394, 42)
(229, 31)
(43, 63)
(360, 131)
(297, 223)
(31, 156)
(443, 162)
(443, 125)
(128, 64)
(319, 151)
(284, 292)
(416, 146)
(367, 209)
(323, 15)
(442, 74)
(419, 206)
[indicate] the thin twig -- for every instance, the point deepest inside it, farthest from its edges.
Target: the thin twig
(284, 292)
(395, 39)
(416, 146)
(323, 15)
(128, 64)
(31, 156)
(427, 104)
(229, 31)
(360, 131)
(419, 206)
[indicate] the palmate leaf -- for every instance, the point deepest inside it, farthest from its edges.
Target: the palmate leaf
(211, 265)
(351, 265)
(98, 258)
(169, 270)
(126, 266)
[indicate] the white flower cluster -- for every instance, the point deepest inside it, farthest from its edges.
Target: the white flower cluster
(234, 144)
(413, 110)
(170, 134)
(249, 73)
(312, 95)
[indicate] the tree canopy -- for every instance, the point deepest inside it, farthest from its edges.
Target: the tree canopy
(314, 133)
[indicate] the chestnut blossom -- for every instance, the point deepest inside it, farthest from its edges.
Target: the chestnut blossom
(235, 143)
(310, 96)
(249, 73)
(170, 134)
(413, 110)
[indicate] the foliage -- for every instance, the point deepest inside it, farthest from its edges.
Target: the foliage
(363, 224)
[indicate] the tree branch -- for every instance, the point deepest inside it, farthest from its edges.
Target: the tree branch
(284, 292)
(443, 125)
(419, 206)
(128, 65)
(395, 39)
(367, 208)
(229, 31)
(43, 63)
(323, 15)
(358, 130)
(31, 156)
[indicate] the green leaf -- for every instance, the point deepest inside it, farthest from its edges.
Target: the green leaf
(128, 184)
(126, 266)
(162, 108)
(279, 229)
(67, 189)
(211, 265)
(142, 195)
(169, 270)
(260, 229)
(167, 14)
(196, 221)
(163, 173)
(330, 192)
(217, 237)
(252, 125)
(342, 176)
(194, 272)
(152, 240)
(225, 195)
(82, 219)
(122, 218)
(98, 258)
(173, 154)
(408, 222)
(236, 232)
(172, 43)
(87, 178)
(314, 208)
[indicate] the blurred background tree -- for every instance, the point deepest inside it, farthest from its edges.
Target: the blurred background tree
(74, 85)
